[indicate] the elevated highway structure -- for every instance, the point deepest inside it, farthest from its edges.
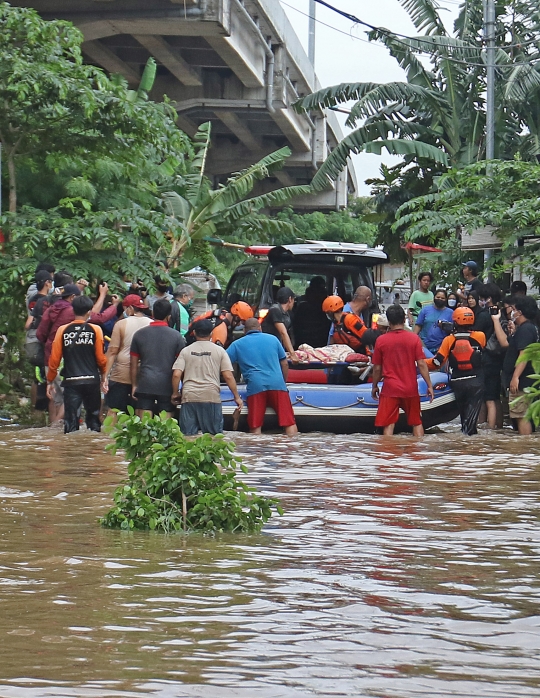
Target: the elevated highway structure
(236, 63)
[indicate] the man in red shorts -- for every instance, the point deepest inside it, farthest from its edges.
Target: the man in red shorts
(396, 356)
(263, 363)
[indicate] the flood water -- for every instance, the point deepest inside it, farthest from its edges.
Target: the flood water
(400, 569)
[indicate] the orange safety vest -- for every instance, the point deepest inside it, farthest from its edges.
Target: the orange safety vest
(220, 333)
(350, 331)
(465, 355)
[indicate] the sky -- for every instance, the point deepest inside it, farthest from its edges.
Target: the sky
(350, 57)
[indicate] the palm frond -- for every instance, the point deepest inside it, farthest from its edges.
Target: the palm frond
(383, 93)
(242, 183)
(425, 16)
(357, 142)
(417, 73)
(176, 206)
(278, 197)
(148, 78)
(446, 46)
(201, 141)
(372, 97)
(522, 83)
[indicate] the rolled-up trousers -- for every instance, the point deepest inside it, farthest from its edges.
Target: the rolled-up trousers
(77, 396)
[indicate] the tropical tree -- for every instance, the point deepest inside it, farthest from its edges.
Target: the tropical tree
(199, 212)
(503, 199)
(56, 109)
(438, 114)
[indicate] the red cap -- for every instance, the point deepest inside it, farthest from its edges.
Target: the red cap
(134, 301)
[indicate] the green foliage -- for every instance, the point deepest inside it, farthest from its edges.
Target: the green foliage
(200, 211)
(532, 354)
(286, 227)
(180, 484)
(506, 199)
(437, 116)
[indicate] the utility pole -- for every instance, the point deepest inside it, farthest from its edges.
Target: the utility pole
(311, 34)
(489, 36)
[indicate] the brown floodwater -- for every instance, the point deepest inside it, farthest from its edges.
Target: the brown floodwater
(400, 569)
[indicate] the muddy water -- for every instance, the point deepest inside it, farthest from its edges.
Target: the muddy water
(400, 569)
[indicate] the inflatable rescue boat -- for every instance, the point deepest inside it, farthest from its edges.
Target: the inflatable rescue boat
(344, 409)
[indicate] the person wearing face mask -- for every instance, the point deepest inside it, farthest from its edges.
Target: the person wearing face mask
(515, 373)
(117, 384)
(452, 301)
(428, 323)
(493, 356)
(162, 292)
(181, 308)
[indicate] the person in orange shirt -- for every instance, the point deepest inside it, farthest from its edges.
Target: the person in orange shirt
(463, 351)
(80, 344)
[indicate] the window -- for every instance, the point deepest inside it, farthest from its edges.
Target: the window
(342, 281)
(245, 285)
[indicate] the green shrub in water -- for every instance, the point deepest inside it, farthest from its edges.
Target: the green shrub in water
(180, 484)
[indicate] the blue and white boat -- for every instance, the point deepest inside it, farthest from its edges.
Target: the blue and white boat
(346, 409)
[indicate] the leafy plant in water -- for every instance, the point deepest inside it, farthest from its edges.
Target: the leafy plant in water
(532, 354)
(180, 484)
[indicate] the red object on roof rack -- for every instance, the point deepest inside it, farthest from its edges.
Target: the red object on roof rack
(415, 247)
(258, 250)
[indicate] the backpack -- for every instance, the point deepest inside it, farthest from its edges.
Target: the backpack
(350, 331)
(465, 354)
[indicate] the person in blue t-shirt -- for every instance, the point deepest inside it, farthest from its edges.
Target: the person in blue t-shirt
(427, 322)
(263, 363)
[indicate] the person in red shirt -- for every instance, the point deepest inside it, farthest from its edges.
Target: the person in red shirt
(397, 355)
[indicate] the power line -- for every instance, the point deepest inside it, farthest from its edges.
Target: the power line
(432, 51)
(351, 36)
(391, 34)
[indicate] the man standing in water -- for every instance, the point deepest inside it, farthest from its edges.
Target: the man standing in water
(153, 351)
(396, 356)
(118, 390)
(80, 344)
(200, 366)
(264, 365)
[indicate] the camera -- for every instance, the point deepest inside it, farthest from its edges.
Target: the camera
(446, 327)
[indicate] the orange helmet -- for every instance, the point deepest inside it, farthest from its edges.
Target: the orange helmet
(332, 304)
(463, 316)
(242, 310)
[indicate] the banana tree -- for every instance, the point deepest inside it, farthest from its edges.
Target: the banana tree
(197, 211)
(437, 116)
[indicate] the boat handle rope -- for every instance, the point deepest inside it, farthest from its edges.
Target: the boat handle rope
(359, 401)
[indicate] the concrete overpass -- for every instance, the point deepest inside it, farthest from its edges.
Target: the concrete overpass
(237, 63)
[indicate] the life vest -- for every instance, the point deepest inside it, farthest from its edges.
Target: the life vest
(220, 333)
(465, 354)
(350, 331)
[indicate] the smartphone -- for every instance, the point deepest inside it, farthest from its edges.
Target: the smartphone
(494, 310)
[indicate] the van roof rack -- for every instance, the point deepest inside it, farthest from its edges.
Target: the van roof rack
(317, 247)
